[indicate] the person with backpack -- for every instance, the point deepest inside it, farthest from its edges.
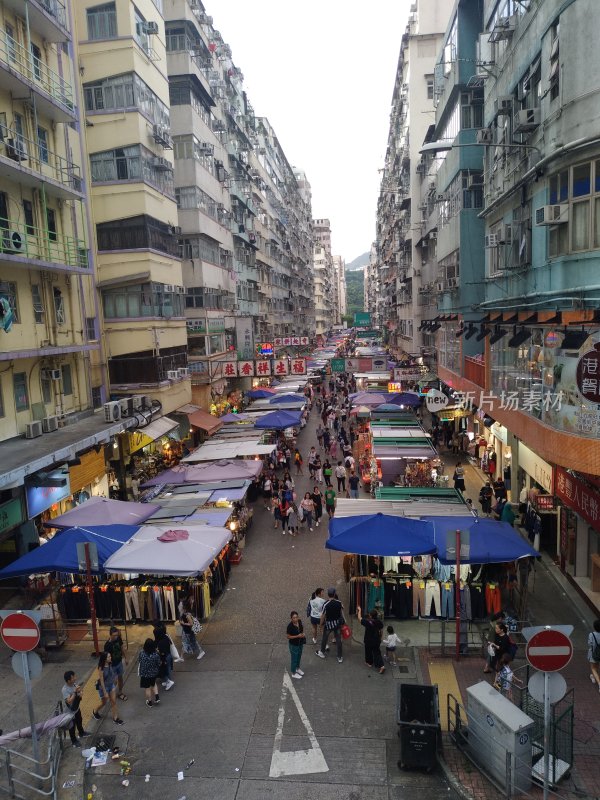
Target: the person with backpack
(332, 619)
(593, 655)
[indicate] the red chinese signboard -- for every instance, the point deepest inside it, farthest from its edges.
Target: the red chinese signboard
(263, 368)
(581, 498)
(298, 366)
(544, 502)
(588, 375)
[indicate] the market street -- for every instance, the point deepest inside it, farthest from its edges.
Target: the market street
(224, 711)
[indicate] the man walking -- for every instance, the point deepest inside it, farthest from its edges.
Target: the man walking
(353, 483)
(340, 474)
(71, 695)
(332, 620)
(114, 646)
(330, 500)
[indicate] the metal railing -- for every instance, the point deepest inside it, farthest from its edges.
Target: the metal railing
(41, 244)
(441, 637)
(37, 156)
(55, 9)
(34, 71)
(21, 776)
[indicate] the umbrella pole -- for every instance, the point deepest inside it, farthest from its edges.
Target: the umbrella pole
(90, 589)
(457, 594)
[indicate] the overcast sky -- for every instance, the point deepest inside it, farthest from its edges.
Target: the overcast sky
(322, 72)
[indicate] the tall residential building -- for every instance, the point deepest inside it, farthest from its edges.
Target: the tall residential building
(122, 63)
(324, 277)
(52, 377)
(400, 227)
(529, 282)
(339, 266)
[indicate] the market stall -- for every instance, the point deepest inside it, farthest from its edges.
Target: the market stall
(103, 511)
(214, 451)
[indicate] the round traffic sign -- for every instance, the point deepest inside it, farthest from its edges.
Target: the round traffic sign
(549, 650)
(557, 686)
(20, 632)
(33, 664)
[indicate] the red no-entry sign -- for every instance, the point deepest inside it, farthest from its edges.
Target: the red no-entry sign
(20, 633)
(549, 651)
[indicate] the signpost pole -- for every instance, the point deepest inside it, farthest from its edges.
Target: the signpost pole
(34, 737)
(90, 588)
(546, 734)
(457, 594)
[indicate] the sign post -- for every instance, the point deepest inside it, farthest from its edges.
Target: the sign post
(89, 562)
(549, 650)
(21, 633)
(458, 545)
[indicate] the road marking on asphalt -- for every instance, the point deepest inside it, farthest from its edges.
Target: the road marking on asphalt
(295, 762)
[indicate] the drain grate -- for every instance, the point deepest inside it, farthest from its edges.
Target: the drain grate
(103, 742)
(402, 669)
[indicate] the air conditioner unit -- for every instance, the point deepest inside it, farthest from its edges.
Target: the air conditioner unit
(476, 180)
(172, 375)
(161, 135)
(184, 372)
(50, 424)
(168, 288)
(51, 374)
(451, 283)
(112, 411)
(552, 215)
(137, 401)
(161, 164)
(485, 136)
(491, 240)
(504, 28)
(433, 234)
(126, 404)
(527, 120)
(152, 28)
(439, 287)
(16, 149)
(440, 198)
(206, 147)
(175, 230)
(503, 104)
(180, 289)
(33, 430)
(12, 241)
(505, 235)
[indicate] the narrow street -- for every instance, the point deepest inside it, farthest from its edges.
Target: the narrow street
(225, 711)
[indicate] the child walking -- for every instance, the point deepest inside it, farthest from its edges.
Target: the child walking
(391, 641)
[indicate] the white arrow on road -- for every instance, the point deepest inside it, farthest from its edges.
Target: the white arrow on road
(295, 762)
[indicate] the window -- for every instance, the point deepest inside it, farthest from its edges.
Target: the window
(28, 215)
(555, 61)
(579, 187)
(126, 92)
(129, 164)
(429, 79)
(471, 113)
(141, 300)
(11, 42)
(20, 391)
(140, 33)
(67, 379)
(3, 210)
(97, 397)
(38, 307)
(136, 233)
(36, 57)
(450, 47)
(42, 135)
(51, 222)
(46, 386)
(90, 327)
(204, 249)
(102, 22)
(9, 292)
(59, 306)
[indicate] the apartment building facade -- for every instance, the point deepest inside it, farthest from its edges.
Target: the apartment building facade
(402, 217)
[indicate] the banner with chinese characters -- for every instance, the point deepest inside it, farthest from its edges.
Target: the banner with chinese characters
(575, 494)
(291, 341)
(406, 374)
(262, 368)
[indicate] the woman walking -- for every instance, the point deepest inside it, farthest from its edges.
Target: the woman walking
(296, 641)
(188, 635)
(459, 477)
(593, 655)
(292, 519)
(315, 606)
(298, 462)
(106, 684)
(308, 508)
(317, 499)
(327, 472)
(373, 628)
(163, 647)
(149, 667)
(267, 490)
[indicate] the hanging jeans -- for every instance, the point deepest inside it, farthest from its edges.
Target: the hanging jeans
(492, 598)
(448, 607)
(432, 593)
(477, 602)
(419, 599)
(169, 599)
(132, 603)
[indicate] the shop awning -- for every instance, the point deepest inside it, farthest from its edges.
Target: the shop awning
(235, 449)
(391, 453)
(409, 507)
(183, 555)
(103, 511)
(201, 419)
(60, 553)
(380, 535)
(207, 473)
(490, 542)
(145, 436)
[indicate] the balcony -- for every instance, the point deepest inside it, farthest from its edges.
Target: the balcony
(474, 370)
(47, 17)
(28, 162)
(39, 248)
(144, 367)
(22, 71)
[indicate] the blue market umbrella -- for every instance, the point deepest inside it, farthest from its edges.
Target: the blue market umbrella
(259, 394)
(279, 420)
(390, 408)
(291, 397)
(60, 553)
(380, 535)
(490, 541)
(405, 399)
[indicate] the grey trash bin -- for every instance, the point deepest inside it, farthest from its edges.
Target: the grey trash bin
(418, 717)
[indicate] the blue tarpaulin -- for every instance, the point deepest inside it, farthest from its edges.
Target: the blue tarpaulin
(60, 553)
(259, 394)
(291, 397)
(405, 399)
(279, 420)
(490, 541)
(380, 535)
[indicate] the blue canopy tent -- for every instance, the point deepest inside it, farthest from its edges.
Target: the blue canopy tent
(381, 535)
(290, 397)
(259, 394)
(389, 408)
(60, 553)
(279, 420)
(491, 542)
(410, 399)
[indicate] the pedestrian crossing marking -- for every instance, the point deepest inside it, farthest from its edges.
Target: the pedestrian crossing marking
(295, 762)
